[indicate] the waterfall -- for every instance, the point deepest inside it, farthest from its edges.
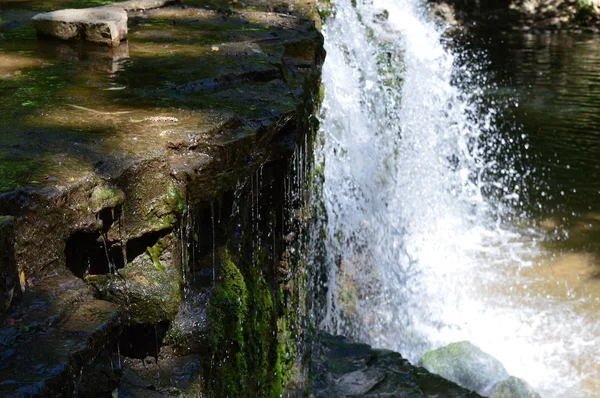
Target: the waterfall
(422, 201)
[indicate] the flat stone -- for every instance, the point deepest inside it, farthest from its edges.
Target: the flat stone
(142, 4)
(101, 25)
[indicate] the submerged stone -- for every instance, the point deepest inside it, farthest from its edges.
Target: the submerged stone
(98, 25)
(466, 365)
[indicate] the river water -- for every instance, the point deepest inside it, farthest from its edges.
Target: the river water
(462, 194)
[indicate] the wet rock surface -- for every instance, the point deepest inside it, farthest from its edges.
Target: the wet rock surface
(96, 25)
(342, 368)
(52, 334)
(165, 375)
(466, 365)
(124, 169)
(202, 99)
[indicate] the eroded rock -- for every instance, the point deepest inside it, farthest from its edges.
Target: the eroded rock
(101, 25)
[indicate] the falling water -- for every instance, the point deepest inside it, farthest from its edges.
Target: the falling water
(425, 240)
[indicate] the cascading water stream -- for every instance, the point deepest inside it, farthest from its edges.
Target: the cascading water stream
(424, 246)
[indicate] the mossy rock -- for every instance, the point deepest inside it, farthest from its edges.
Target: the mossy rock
(243, 335)
(466, 365)
(105, 198)
(164, 211)
(148, 290)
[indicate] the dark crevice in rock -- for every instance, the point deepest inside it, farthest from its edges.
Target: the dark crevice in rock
(141, 341)
(87, 253)
(138, 246)
(108, 217)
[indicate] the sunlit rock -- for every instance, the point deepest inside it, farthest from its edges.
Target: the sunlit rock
(466, 365)
(513, 387)
(141, 4)
(103, 25)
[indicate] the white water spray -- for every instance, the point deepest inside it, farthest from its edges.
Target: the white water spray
(419, 208)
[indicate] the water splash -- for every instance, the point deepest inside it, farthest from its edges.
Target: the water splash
(421, 200)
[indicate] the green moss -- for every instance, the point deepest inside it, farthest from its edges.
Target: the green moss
(174, 199)
(104, 197)
(228, 309)
(246, 358)
(154, 254)
(18, 172)
(164, 212)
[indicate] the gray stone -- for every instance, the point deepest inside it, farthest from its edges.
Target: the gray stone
(102, 25)
(513, 387)
(141, 4)
(466, 365)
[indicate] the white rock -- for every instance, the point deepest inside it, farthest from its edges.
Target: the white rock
(101, 25)
(141, 4)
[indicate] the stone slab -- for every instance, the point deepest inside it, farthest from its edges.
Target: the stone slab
(101, 25)
(142, 4)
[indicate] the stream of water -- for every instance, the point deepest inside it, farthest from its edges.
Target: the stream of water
(449, 215)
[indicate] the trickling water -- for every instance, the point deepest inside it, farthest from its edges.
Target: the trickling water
(425, 240)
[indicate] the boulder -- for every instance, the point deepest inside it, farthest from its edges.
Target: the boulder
(513, 387)
(466, 365)
(102, 25)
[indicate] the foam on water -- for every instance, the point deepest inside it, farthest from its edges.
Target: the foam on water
(421, 243)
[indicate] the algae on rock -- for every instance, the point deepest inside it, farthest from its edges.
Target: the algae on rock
(243, 345)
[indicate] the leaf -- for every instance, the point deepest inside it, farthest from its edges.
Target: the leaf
(22, 280)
